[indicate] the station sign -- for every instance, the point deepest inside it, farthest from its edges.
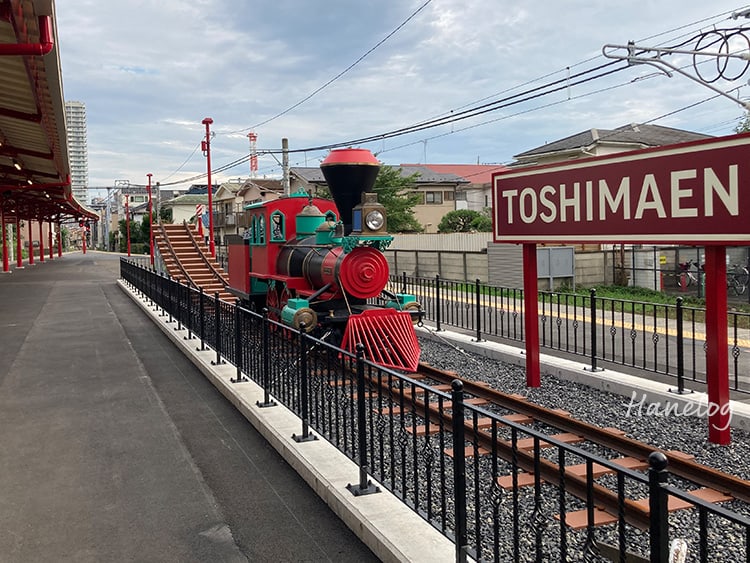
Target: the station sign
(690, 193)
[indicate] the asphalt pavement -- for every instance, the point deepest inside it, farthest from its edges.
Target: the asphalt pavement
(115, 447)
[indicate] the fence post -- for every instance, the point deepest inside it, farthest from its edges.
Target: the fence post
(178, 316)
(592, 293)
(267, 402)
(303, 394)
(238, 347)
(657, 503)
(680, 351)
(170, 298)
(202, 319)
(478, 303)
(459, 469)
(189, 312)
(217, 329)
(161, 295)
(403, 282)
(365, 486)
(437, 302)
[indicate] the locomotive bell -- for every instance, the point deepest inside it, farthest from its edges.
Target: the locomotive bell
(369, 216)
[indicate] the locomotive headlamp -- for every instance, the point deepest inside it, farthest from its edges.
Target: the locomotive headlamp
(374, 220)
(368, 217)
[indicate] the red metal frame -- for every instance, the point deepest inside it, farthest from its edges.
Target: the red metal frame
(6, 261)
(211, 247)
(41, 240)
(31, 245)
(19, 257)
(531, 315)
(150, 221)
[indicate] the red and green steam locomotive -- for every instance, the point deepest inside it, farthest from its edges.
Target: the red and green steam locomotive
(320, 262)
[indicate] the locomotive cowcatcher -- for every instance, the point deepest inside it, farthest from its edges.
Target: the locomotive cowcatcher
(320, 262)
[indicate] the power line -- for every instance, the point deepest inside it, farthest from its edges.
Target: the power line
(339, 75)
(474, 111)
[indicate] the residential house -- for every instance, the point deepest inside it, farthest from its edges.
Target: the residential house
(230, 200)
(476, 193)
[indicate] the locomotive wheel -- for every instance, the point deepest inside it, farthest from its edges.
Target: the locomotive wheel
(276, 299)
(273, 302)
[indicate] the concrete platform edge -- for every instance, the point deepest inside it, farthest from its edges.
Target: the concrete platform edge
(389, 528)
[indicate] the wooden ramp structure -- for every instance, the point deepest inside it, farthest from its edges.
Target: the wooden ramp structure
(187, 259)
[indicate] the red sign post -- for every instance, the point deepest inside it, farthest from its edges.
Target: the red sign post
(691, 193)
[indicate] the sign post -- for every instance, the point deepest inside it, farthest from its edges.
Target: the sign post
(692, 193)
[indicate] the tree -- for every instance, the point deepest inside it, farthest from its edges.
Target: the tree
(395, 193)
(744, 125)
(464, 221)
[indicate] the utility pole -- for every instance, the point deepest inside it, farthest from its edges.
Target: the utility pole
(285, 165)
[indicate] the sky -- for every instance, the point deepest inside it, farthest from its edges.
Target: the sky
(327, 72)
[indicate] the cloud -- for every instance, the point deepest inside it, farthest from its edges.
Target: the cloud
(149, 72)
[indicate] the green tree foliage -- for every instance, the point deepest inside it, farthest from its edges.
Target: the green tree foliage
(395, 192)
(139, 235)
(744, 125)
(464, 221)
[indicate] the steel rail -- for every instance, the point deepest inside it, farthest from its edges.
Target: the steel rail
(678, 465)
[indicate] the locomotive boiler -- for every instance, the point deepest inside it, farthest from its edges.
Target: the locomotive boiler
(319, 264)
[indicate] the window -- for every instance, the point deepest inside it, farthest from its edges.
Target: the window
(460, 196)
(277, 227)
(433, 198)
(448, 196)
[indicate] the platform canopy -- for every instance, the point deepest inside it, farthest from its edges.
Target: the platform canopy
(34, 165)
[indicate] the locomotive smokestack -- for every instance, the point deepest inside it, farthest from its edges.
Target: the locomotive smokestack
(349, 173)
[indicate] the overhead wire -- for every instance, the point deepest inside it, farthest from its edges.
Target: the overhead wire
(473, 111)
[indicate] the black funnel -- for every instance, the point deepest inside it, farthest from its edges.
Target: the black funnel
(349, 173)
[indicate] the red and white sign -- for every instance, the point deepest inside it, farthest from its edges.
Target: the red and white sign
(697, 192)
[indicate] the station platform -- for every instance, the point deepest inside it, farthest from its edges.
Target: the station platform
(115, 447)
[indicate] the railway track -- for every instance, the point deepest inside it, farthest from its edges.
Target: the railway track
(581, 480)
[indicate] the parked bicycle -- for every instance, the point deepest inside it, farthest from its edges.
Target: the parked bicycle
(737, 279)
(687, 274)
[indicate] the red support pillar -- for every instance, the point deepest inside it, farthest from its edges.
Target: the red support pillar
(207, 149)
(59, 239)
(717, 356)
(41, 241)
(31, 245)
(19, 258)
(6, 260)
(49, 241)
(151, 221)
(531, 315)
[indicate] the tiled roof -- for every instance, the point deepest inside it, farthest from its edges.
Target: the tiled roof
(429, 176)
(472, 173)
(188, 199)
(640, 136)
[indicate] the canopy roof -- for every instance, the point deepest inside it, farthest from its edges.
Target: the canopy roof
(34, 164)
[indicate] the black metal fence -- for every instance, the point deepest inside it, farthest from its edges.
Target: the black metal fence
(667, 339)
(462, 476)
